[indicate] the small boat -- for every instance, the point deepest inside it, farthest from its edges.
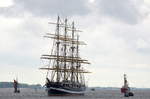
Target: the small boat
(125, 88)
(16, 85)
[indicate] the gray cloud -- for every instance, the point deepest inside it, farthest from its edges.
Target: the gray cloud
(46, 7)
(128, 11)
(124, 10)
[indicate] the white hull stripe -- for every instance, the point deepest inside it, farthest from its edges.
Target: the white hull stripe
(68, 91)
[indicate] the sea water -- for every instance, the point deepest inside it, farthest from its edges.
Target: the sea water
(28, 93)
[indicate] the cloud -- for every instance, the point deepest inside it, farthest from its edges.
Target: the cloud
(46, 7)
(116, 44)
(19, 39)
(127, 11)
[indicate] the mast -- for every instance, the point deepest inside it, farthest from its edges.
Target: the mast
(65, 47)
(77, 67)
(125, 81)
(57, 43)
(72, 52)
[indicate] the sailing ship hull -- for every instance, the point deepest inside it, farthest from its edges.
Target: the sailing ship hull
(61, 91)
(58, 89)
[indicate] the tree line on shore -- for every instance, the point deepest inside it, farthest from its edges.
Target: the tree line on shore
(21, 85)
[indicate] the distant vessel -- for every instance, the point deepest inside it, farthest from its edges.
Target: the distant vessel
(125, 88)
(16, 85)
(65, 75)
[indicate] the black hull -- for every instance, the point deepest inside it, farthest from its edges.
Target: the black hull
(54, 88)
(57, 92)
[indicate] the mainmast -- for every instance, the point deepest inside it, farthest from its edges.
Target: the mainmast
(65, 49)
(57, 43)
(72, 52)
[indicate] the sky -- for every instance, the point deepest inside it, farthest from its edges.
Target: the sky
(116, 32)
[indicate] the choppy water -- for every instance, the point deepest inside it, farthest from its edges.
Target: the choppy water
(6, 93)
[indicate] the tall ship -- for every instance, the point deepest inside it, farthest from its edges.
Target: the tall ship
(65, 72)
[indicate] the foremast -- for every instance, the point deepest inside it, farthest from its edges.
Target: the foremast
(65, 60)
